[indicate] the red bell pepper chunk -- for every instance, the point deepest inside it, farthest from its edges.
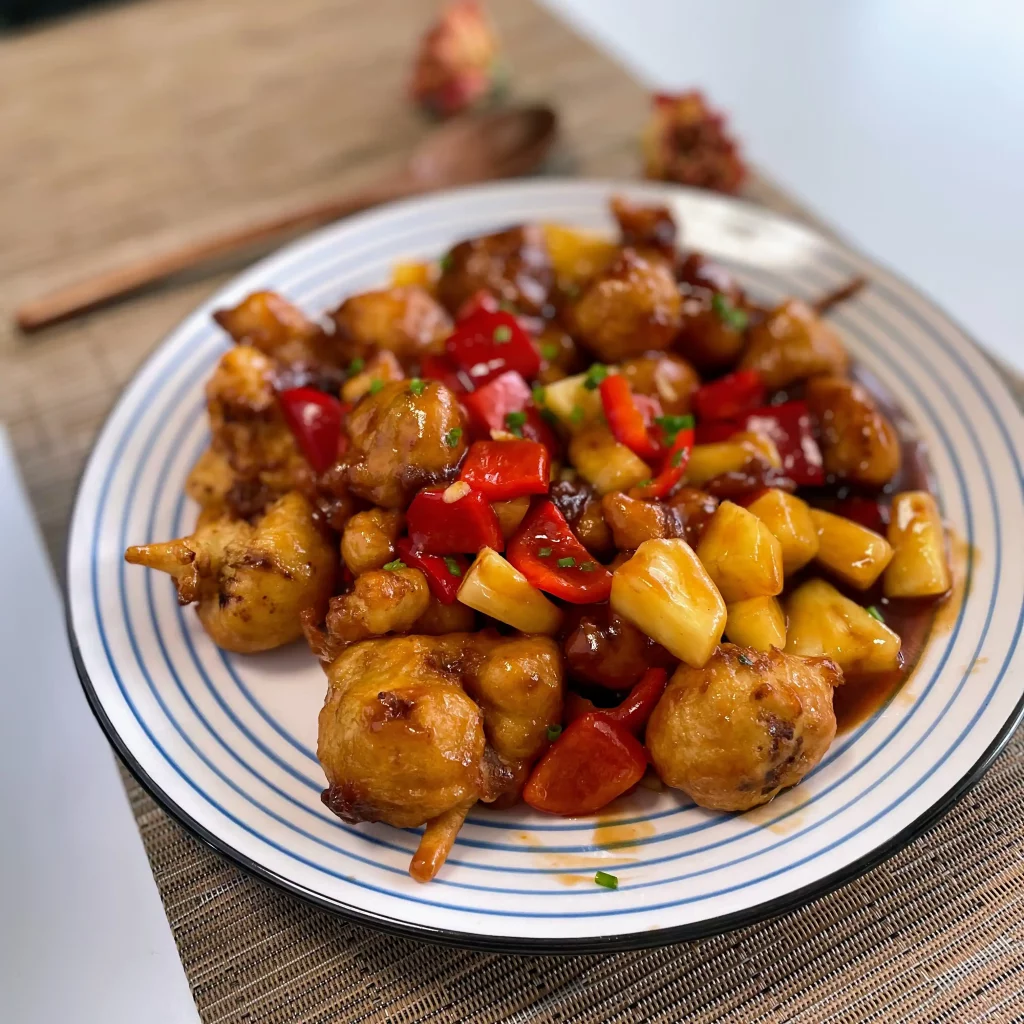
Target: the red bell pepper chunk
(441, 368)
(589, 765)
(729, 397)
(545, 550)
(464, 526)
(490, 405)
(865, 511)
(715, 431)
(501, 470)
(673, 467)
(789, 426)
(487, 344)
(315, 420)
(633, 712)
(444, 574)
(624, 418)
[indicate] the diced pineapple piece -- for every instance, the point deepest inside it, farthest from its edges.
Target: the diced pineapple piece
(789, 520)
(918, 567)
(605, 463)
(822, 622)
(710, 460)
(758, 622)
(495, 587)
(667, 594)
(740, 554)
(415, 272)
(575, 405)
(577, 255)
(510, 514)
(854, 553)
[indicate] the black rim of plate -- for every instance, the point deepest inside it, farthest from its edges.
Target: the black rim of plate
(791, 901)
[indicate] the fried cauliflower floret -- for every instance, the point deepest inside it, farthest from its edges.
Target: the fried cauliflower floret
(858, 443)
(273, 325)
(210, 480)
(382, 601)
(793, 343)
(631, 308)
(650, 228)
(748, 724)
(670, 379)
(369, 539)
(400, 442)
(513, 265)
(250, 583)
(405, 320)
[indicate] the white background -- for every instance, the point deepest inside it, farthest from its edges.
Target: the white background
(900, 122)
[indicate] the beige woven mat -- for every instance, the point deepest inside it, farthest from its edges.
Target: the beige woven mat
(130, 128)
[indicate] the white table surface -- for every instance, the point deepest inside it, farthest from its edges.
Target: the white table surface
(83, 935)
(900, 122)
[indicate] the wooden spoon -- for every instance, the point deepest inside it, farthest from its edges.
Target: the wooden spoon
(478, 147)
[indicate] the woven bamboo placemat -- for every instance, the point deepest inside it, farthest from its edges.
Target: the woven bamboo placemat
(136, 126)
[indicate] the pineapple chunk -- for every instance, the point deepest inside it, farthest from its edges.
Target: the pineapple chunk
(575, 405)
(918, 567)
(854, 553)
(605, 463)
(413, 272)
(576, 255)
(710, 460)
(667, 594)
(757, 622)
(510, 514)
(497, 588)
(822, 622)
(789, 520)
(763, 445)
(740, 554)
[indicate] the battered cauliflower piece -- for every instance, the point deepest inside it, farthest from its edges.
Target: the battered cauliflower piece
(858, 443)
(405, 320)
(209, 481)
(250, 583)
(670, 379)
(748, 724)
(273, 325)
(631, 308)
(381, 601)
(402, 441)
(369, 539)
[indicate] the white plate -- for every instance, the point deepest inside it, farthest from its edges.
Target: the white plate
(227, 743)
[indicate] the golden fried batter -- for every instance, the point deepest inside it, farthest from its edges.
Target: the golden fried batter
(746, 725)
(670, 379)
(405, 320)
(369, 539)
(270, 323)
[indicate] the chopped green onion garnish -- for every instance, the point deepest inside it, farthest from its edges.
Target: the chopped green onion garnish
(544, 552)
(554, 731)
(396, 564)
(566, 563)
(677, 458)
(588, 566)
(646, 483)
(595, 375)
(875, 613)
(453, 566)
(576, 416)
(506, 307)
(539, 394)
(416, 386)
(673, 424)
(356, 366)
(515, 421)
(502, 334)
(549, 351)
(744, 660)
(446, 262)
(375, 385)
(452, 437)
(732, 317)
(608, 881)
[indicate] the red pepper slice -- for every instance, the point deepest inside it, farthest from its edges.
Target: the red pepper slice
(546, 551)
(789, 425)
(633, 712)
(489, 405)
(441, 368)
(487, 344)
(589, 765)
(315, 420)
(501, 470)
(444, 579)
(438, 527)
(673, 468)
(625, 420)
(729, 397)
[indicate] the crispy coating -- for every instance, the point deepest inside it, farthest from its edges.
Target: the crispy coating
(633, 521)
(602, 648)
(858, 443)
(251, 583)
(512, 265)
(399, 442)
(381, 601)
(694, 509)
(369, 539)
(669, 378)
(210, 480)
(632, 307)
(793, 343)
(406, 321)
(709, 340)
(745, 726)
(383, 367)
(273, 325)
(440, 619)
(650, 228)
